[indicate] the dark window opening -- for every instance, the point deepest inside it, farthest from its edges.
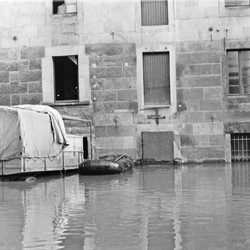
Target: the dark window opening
(85, 148)
(64, 6)
(66, 78)
(238, 72)
(234, 3)
(156, 78)
(240, 147)
(56, 4)
(154, 12)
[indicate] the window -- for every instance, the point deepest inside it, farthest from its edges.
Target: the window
(64, 6)
(66, 78)
(154, 12)
(239, 72)
(156, 78)
(233, 3)
(240, 147)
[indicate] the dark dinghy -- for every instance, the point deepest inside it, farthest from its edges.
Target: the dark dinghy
(106, 165)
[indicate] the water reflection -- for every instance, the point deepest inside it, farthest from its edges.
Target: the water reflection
(188, 207)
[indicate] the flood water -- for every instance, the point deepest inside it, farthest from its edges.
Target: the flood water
(155, 207)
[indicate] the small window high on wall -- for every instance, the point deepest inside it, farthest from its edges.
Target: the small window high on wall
(238, 72)
(64, 6)
(154, 12)
(156, 78)
(66, 78)
(234, 3)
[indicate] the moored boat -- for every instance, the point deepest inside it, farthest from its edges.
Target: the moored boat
(106, 165)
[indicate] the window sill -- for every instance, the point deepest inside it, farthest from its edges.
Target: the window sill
(64, 15)
(155, 107)
(60, 104)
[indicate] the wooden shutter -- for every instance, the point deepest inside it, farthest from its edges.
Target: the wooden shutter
(154, 12)
(233, 72)
(156, 78)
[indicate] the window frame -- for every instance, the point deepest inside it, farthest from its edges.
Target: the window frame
(169, 81)
(70, 2)
(241, 84)
(55, 81)
(144, 21)
(228, 3)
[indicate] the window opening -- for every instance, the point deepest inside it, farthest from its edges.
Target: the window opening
(154, 12)
(64, 6)
(238, 72)
(66, 78)
(85, 148)
(233, 3)
(156, 78)
(240, 147)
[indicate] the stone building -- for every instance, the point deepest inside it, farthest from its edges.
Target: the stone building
(162, 80)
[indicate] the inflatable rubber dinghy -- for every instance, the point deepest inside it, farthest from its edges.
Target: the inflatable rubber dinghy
(106, 165)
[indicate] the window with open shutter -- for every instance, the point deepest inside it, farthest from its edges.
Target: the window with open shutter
(64, 6)
(154, 12)
(156, 78)
(238, 72)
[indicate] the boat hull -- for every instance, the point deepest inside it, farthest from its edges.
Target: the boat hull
(100, 167)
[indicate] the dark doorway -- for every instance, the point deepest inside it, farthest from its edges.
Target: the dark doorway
(66, 78)
(157, 146)
(85, 148)
(56, 4)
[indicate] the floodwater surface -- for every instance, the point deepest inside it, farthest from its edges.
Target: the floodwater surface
(155, 207)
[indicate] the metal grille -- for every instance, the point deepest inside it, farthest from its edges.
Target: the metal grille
(240, 147)
(154, 12)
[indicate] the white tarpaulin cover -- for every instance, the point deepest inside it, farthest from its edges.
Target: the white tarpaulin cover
(25, 132)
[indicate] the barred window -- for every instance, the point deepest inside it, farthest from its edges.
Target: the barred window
(156, 78)
(238, 72)
(154, 12)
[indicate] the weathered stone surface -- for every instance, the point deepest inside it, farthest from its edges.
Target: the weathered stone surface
(35, 64)
(130, 71)
(5, 88)
(100, 131)
(195, 46)
(107, 61)
(106, 95)
(110, 49)
(32, 52)
(200, 81)
(217, 140)
(199, 57)
(5, 99)
(237, 127)
(30, 98)
(207, 105)
(4, 77)
(213, 93)
(9, 54)
(106, 72)
(193, 117)
(200, 154)
(127, 95)
(30, 76)
(187, 140)
(204, 69)
(114, 83)
(14, 76)
(109, 107)
(15, 99)
(17, 88)
(187, 129)
(189, 94)
(14, 66)
(118, 131)
(35, 87)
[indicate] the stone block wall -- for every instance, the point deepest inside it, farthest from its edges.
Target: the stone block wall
(200, 100)
(20, 75)
(114, 96)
